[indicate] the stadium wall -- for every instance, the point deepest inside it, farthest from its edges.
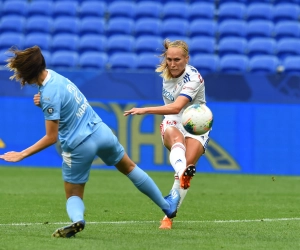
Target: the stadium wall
(256, 120)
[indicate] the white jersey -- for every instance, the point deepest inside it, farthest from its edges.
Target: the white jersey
(190, 84)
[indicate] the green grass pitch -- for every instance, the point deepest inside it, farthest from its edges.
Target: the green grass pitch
(221, 211)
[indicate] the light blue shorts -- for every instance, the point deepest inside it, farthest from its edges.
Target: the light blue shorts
(102, 143)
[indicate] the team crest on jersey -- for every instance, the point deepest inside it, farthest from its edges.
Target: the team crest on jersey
(50, 110)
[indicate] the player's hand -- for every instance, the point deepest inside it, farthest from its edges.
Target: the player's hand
(37, 99)
(12, 156)
(135, 111)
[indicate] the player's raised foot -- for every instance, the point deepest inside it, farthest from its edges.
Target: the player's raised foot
(69, 231)
(166, 223)
(173, 199)
(186, 177)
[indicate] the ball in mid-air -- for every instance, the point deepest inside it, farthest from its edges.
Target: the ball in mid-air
(197, 119)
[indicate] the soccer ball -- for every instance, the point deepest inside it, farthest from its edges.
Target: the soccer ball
(197, 119)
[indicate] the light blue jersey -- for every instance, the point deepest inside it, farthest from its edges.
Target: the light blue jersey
(62, 100)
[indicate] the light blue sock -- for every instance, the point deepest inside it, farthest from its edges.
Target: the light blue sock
(146, 185)
(75, 208)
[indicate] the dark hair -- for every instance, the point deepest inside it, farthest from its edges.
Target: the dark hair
(27, 64)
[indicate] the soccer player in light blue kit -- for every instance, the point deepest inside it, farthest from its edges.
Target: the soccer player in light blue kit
(82, 134)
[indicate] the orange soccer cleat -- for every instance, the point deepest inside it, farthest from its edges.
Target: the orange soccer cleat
(187, 176)
(166, 223)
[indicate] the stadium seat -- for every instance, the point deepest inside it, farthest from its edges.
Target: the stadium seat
(65, 8)
(175, 27)
(205, 63)
(14, 7)
(120, 43)
(92, 42)
(66, 25)
(93, 9)
(147, 61)
(260, 11)
(40, 8)
(232, 45)
(47, 57)
(149, 44)
(232, 28)
(148, 9)
(92, 25)
(172, 1)
(123, 60)
(12, 24)
(285, 29)
(122, 9)
(64, 59)
(291, 65)
(197, 1)
(286, 11)
(39, 24)
(182, 38)
(260, 28)
(93, 60)
(286, 1)
(148, 26)
(8, 40)
(41, 40)
(260, 1)
(65, 42)
(175, 10)
(288, 47)
(263, 64)
(262, 46)
(234, 64)
(231, 10)
(202, 10)
(120, 25)
(201, 27)
(221, 2)
(202, 45)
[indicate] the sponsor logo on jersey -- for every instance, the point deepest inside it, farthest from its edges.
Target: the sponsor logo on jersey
(168, 95)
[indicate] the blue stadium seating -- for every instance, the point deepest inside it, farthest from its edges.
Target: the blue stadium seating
(263, 64)
(64, 59)
(39, 24)
(260, 28)
(148, 9)
(66, 24)
(47, 57)
(68, 42)
(14, 7)
(288, 47)
(221, 2)
(65, 8)
(201, 27)
(260, 11)
(175, 10)
(93, 9)
(123, 60)
(8, 40)
(148, 26)
(147, 61)
(4, 55)
(234, 64)
(285, 29)
(120, 43)
(232, 45)
(12, 24)
(122, 9)
(232, 10)
(92, 25)
(233, 28)
(202, 45)
(175, 27)
(202, 10)
(262, 46)
(93, 60)
(121, 26)
(260, 1)
(40, 8)
(41, 40)
(92, 42)
(291, 65)
(149, 44)
(286, 1)
(205, 63)
(286, 11)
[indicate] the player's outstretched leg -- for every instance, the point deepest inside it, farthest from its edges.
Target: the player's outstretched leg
(173, 199)
(69, 231)
(186, 177)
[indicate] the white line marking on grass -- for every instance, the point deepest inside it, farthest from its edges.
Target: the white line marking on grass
(142, 222)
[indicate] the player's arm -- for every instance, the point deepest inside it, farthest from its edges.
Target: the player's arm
(49, 139)
(169, 109)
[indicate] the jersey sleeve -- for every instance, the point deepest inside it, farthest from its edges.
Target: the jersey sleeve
(51, 105)
(193, 86)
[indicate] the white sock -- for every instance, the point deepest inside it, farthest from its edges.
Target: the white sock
(177, 158)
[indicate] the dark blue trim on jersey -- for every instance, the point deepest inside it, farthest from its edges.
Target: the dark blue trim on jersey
(190, 98)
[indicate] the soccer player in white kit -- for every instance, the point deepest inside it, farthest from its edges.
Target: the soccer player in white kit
(182, 86)
(83, 136)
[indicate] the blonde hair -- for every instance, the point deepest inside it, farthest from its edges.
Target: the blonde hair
(163, 67)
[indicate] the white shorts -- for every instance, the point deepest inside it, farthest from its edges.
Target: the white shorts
(175, 122)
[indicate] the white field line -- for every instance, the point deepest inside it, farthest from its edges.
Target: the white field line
(142, 222)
